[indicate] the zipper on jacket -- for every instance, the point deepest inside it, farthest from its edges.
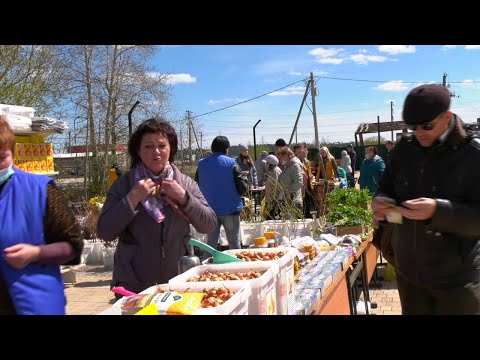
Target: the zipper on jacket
(421, 171)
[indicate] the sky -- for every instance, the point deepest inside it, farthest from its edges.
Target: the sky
(355, 84)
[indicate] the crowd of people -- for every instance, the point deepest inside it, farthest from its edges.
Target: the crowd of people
(149, 209)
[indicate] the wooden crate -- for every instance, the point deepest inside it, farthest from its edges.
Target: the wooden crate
(344, 230)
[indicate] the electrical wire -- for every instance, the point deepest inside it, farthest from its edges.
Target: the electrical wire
(384, 81)
(248, 100)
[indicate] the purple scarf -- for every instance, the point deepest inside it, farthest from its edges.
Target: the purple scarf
(153, 204)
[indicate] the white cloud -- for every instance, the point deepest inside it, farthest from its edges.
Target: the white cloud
(295, 90)
(467, 83)
(396, 85)
(327, 56)
(324, 53)
(173, 79)
(333, 56)
(472, 47)
(295, 73)
(448, 47)
(334, 61)
(397, 49)
(365, 59)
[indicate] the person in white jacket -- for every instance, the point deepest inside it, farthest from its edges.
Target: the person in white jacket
(346, 164)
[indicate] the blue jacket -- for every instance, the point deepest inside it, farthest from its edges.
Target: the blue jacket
(371, 172)
(217, 183)
(36, 289)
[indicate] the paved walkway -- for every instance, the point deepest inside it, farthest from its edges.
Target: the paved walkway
(91, 294)
(386, 298)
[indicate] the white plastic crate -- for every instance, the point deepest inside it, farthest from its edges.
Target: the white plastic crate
(249, 231)
(299, 228)
(236, 305)
(285, 286)
(263, 299)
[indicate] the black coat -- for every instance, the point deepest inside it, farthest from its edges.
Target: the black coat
(443, 251)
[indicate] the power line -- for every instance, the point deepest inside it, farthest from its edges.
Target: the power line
(384, 81)
(248, 100)
(318, 78)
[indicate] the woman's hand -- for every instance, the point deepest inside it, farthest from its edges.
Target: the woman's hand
(141, 190)
(174, 191)
(20, 255)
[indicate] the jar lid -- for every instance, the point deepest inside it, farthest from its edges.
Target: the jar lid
(260, 240)
(269, 234)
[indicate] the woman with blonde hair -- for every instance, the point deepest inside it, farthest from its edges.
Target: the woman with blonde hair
(329, 164)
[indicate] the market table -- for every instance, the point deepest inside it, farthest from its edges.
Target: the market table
(337, 299)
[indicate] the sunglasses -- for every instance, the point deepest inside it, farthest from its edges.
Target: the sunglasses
(427, 127)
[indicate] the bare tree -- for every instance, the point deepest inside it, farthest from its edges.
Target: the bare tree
(104, 82)
(30, 75)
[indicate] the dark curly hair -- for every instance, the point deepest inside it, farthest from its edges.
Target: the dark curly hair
(152, 126)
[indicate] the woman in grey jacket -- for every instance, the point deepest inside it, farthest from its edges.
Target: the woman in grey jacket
(150, 209)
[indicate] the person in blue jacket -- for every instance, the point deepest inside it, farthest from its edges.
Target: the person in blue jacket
(222, 183)
(343, 178)
(371, 170)
(38, 233)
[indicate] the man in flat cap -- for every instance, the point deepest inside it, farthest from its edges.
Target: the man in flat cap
(433, 177)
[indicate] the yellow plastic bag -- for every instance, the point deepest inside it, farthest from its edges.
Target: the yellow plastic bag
(148, 310)
(166, 303)
(390, 272)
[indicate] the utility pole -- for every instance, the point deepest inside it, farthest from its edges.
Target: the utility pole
(189, 137)
(378, 129)
(196, 139)
(181, 145)
(391, 116)
(314, 109)
(255, 140)
(444, 83)
(298, 115)
(201, 141)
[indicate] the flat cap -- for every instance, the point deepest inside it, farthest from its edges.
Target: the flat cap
(424, 103)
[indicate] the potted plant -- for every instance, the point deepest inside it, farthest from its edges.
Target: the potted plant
(349, 211)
